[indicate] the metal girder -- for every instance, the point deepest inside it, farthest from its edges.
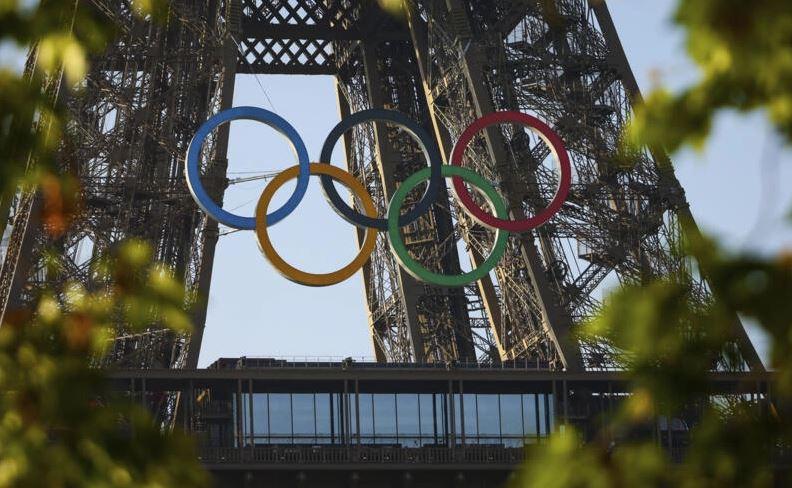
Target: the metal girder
(621, 222)
(300, 37)
(410, 320)
(293, 37)
(556, 322)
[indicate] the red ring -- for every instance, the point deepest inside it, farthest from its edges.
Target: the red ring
(550, 138)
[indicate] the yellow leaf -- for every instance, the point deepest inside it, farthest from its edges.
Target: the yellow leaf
(75, 64)
(48, 310)
(61, 50)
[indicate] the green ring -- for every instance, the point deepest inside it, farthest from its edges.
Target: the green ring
(415, 268)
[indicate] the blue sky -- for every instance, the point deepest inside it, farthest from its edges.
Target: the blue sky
(734, 187)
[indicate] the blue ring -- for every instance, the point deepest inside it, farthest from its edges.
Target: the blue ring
(428, 147)
(192, 169)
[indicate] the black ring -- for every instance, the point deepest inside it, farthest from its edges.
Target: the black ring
(428, 147)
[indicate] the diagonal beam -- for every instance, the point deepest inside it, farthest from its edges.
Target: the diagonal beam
(663, 161)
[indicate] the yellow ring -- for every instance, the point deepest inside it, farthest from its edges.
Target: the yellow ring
(289, 271)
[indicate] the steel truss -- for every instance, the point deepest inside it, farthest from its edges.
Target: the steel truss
(621, 223)
(444, 63)
(130, 122)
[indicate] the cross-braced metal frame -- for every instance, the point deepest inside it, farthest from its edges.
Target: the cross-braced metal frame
(444, 63)
(130, 122)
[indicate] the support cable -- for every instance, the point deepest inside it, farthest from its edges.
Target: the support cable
(255, 75)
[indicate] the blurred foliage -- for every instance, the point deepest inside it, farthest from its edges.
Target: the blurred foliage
(666, 339)
(64, 37)
(59, 425)
(393, 7)
(744, 53)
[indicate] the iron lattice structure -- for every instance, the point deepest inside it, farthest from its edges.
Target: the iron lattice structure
(444, 63)
(130, 123)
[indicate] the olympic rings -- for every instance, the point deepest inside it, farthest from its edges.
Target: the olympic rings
(192, 170)
(550, 138)
(414, 267)
(289, 271)
(368, 219)
(428, 147)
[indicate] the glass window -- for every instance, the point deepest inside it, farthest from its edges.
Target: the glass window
(471, 424)
(260, 414)
(351, 415)
(408, 419)
(511, 420)
(442, 419)
(488, 418)
(245, 418)
(541, 413)
(303, 418)
(280, 417)
(366, 418)
(340, 416)
(427, 424)
(323, 416)
(533, 422)
(385, 418)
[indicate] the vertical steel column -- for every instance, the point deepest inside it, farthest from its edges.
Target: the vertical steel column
(379, 351)
(357, 411)
(486, 288)
(413, 321)
(216, 187)
(556, 320)
(240, 431)
(190, 406)
(16, 266)
(250, 414)
(387, 159)
(452, 414)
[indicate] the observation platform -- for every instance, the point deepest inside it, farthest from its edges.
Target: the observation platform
(272, 422)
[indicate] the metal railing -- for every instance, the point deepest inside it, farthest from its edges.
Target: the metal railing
(495, 455)
(370, 363)
(215, 408)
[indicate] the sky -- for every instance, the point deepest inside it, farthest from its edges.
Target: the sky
(737, 187)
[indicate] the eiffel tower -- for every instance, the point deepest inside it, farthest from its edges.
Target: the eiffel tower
(442, 63)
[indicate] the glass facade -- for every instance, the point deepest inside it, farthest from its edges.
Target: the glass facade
(291, 418)
(398, 419)
(406, 419)
(507, 419)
